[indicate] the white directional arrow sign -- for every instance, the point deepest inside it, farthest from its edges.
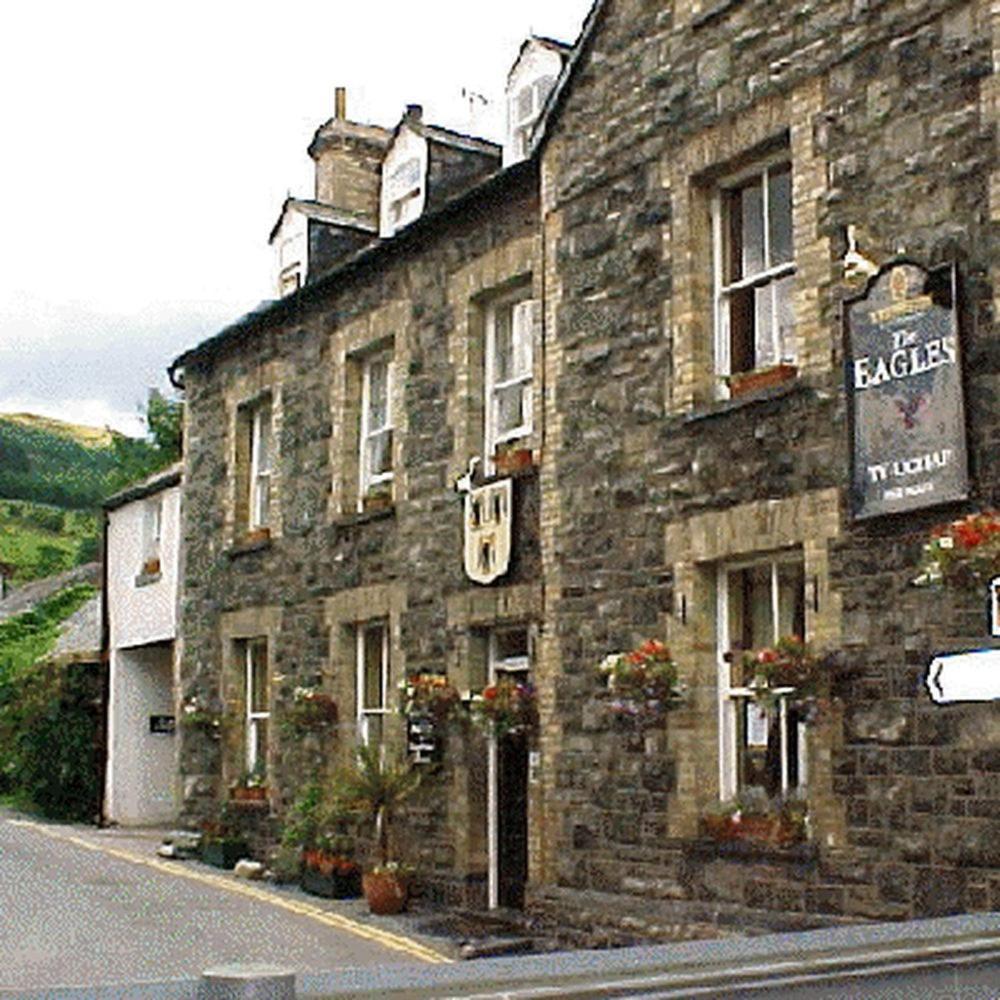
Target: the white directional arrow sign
(971, 676)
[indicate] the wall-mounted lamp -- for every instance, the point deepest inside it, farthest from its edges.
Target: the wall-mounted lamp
(682, 608)
(812, 592)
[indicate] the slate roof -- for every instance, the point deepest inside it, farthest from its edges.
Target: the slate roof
(161, 480)
(26, 597)
(323, 213)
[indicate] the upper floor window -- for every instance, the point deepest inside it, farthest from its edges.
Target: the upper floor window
(754, 271)
(510, 330)
(152, 529)
(404, 188)
(261, 449)
(372, 690)
(761, 746)
(375, 459)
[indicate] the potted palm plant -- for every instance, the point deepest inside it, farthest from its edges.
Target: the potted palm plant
(377, 786)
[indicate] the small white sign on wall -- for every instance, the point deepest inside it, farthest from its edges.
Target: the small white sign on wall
(971, 676)
(995, 606)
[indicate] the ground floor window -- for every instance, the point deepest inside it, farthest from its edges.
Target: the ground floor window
(762, 746)
(372, 681)
(257, 700)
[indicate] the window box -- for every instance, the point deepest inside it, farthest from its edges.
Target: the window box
(251, 793)
(743, 383)
(510, 461)
(257, 536)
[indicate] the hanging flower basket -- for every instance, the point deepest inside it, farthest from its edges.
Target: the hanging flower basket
(197, 717)
(964, 554)
(430, 696)
(643, 684)
(789, 669)
(310, 710)
(506, 708)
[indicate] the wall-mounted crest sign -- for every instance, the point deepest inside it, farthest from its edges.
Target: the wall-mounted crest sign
(972, 676)
(904, 385)
(488, 515)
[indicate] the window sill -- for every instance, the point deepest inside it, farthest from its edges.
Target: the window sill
(365, 516)
(723, 406)
(752, 850)
(145, 579)
(248, 544)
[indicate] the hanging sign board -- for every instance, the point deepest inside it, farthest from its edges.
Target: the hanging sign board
(488, 516)
(904, 387)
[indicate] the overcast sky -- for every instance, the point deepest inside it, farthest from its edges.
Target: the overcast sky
(148, 148)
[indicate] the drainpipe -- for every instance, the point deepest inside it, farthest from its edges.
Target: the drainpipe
(103, 727)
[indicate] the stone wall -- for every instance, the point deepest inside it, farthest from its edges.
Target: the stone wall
(327, 566)
(887, 113)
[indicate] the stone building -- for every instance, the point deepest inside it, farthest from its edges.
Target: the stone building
(657, 304)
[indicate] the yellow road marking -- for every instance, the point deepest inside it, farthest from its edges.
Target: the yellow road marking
(397, 942)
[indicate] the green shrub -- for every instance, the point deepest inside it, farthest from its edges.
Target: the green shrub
(49, 715)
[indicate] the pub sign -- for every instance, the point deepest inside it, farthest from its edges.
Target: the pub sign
(904, 386)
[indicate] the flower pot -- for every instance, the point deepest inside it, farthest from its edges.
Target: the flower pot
(718, 827)
(340, 883)
(512, 460)
(258, 536)
(223, 853)
(386, 892)
(151, 567)
(742, 383)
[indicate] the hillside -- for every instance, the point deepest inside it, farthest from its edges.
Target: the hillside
(39, 540)
(54, 476)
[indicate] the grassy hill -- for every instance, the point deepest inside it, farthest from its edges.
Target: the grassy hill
(39, 540)
(49, 462)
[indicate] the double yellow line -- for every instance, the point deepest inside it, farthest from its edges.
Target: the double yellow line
(397, 942)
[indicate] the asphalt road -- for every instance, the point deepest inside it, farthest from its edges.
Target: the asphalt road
(81, 907)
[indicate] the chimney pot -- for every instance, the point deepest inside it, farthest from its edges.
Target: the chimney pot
(415, 111)
(340, 103)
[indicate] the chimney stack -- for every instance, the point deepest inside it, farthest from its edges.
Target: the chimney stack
(340, 104)
(415, 111)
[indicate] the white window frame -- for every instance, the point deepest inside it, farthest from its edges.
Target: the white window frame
(769, 275)
(152, 528)
(260, 477)
(254, 718)
(496, 665)
(523, 312)
(367, 479)
(732, 697)
(520, 125)
(364, 713)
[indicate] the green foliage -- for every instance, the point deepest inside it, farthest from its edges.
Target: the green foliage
(377, 785)
(31, 542)
(48, 714)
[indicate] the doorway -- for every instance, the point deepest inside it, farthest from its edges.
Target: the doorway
(507, 813)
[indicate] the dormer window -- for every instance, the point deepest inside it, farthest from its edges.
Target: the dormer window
(524, 108)
(404, 171)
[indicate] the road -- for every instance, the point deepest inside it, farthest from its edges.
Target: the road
(83, 907)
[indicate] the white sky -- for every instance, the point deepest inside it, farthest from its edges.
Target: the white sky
(148, 148)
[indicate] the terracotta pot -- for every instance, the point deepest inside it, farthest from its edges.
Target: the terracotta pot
(742, 383)
(512, 460)
(386, 892)
(258, 535)
(377, 501)
(151, 567)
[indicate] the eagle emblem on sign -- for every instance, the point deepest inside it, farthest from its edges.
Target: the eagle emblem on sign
(488, 514)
